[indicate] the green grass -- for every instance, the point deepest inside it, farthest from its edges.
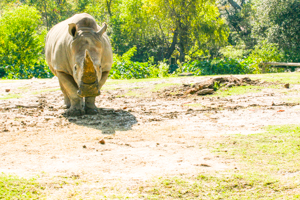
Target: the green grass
(292, 100)
(128, 81)
(12, 187)
(161, 86)
(193, 105)
(292, 78)
(11, 96)
(240, 90)
(267, 166)
(134, 94)
(275, 151)
(46, 90)
(25, 88)
(220, 186)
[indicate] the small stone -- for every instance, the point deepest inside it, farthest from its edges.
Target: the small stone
(7, 90)
(205, 91)
(287, 85)
(102, 141)
(84, 146)
(204, 165)
(191, 91)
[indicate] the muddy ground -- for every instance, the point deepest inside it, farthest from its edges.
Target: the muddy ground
(148, 131)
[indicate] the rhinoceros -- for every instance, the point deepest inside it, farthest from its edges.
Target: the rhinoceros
(79, 53)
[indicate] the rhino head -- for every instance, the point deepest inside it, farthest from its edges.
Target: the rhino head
(86, 50)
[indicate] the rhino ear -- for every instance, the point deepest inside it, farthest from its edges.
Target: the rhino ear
(72, 29)
(102, 30)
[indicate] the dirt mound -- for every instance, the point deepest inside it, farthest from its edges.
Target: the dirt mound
(208, 86)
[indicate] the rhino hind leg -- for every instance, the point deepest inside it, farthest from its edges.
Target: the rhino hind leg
(69, 89)
(90, 107)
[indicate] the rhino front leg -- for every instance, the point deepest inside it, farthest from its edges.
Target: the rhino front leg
(69, 88)
(66, 98)
(103, 79)
(90, 107)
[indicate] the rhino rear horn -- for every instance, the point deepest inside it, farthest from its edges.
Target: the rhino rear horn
(102, 30)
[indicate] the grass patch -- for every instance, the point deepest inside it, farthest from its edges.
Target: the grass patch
(11, 96)
(292, 78)
(240, 90)
(25, 88)
(45, 90)
(291, 100)
(269, 165)
(275, 151)
(128, 81)
(12, 187)
(193, 105)
(220, 186)
(134, 94)
(161, 86)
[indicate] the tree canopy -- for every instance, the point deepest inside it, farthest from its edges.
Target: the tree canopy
(185, 30)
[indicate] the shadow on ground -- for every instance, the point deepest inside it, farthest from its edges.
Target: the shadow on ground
(108, 120)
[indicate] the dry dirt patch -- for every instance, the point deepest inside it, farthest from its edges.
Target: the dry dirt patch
(153, 133)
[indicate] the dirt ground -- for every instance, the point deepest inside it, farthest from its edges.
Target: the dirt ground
(146, 134)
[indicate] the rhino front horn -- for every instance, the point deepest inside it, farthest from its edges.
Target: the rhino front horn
(89, 74)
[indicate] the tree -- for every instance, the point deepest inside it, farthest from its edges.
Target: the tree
(279, 22)
(21, 45)
(238, 15)
(52, 11)
(192, 27)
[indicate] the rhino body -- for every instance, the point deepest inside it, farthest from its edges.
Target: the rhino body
(79, 53)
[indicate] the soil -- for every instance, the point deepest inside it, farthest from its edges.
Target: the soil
(139, 133)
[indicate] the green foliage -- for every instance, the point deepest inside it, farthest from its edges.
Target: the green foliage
(21, 43)
(234, 52)
(219, 66)
(266, 52)
(158, 29)
(278, 22)
(124, 68)
(15, 188)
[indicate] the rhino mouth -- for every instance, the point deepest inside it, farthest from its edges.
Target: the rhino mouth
(88, 90)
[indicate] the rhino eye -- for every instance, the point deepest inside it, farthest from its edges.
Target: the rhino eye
(75, 68)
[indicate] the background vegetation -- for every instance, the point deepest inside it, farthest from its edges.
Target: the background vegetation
(203, 37)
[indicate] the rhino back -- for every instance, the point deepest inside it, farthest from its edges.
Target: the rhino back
(57, 48)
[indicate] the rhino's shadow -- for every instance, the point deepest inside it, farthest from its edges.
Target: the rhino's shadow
(107, 120)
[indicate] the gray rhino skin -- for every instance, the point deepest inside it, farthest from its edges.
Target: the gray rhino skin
(79, 53)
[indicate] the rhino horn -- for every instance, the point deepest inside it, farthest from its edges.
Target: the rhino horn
(102, 30)
(89, 74)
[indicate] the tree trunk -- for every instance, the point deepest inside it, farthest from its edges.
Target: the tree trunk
(108, 4)
(172, 47)
(181, 51)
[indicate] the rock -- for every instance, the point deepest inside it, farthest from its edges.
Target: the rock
(287, 85)
(204, 84)
(7, 90)
(102, 141)
(191, 91)
(229, 85)
(205, 92)
(84, 146)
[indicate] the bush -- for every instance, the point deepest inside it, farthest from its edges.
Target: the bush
(22, 42)
(219, 66)
(124, 68)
